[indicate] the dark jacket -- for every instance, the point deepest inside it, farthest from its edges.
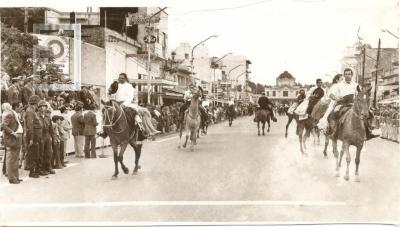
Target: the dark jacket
(9, 126)
(33, 125)
(90, 123)
(13, 94)
(78, 124)
(27, 92)
(47, 127)
(264, 102)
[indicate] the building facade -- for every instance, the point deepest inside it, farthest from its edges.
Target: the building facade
(285, 90)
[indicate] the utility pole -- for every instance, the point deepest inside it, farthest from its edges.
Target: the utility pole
(376, 72)
(26, 20)
(148, 68)
(363, 67)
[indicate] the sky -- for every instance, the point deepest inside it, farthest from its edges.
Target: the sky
(305, 37)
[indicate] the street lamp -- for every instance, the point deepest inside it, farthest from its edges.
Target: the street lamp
(191, 62)
(241, 74)
(385, 30)
(228, 77)
(214, 67)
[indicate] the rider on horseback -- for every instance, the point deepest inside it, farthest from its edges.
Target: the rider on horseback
(266, 104)
(344, 94)
(187, 97)
(123, 92)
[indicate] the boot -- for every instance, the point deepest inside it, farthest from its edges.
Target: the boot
(32, 174)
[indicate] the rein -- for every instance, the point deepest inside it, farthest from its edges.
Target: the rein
(113, 123)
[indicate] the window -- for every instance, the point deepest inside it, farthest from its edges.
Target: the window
(285, 93)
(186, 56)
(274, 93)
(267, 93)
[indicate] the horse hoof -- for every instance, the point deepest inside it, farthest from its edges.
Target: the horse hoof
(126, 170)
(347, 178)
(337, 174)
(326, 156)
(114, 177)
(258, 134)
(179, 147)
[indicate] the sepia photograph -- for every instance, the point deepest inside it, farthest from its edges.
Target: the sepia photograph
(243, 112)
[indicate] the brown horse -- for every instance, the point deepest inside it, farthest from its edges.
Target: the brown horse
(303, 129)
(191, 122)
(230, 114)
(122, 130)
(263, 116)
(351, 131)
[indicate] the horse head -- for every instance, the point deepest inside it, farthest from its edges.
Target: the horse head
(361, 103)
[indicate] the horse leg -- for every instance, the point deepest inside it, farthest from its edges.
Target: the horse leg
(269, 124)
(348, 159)
(339, 163)
(263, 127)
(121, 158)
(258, 126)
(287, 124)
(180, 134)
(358, 154)
(115, 151)
(318, 135)
(187, 133)
(138, 151)
(193, 137)
(326, 146)
(336, 155)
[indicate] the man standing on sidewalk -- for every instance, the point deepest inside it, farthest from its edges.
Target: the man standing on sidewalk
(46, 150)
(12, 141)
(78, 125)
(33, 132)
(90, 133)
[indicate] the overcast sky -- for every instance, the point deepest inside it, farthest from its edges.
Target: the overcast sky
(304, 37)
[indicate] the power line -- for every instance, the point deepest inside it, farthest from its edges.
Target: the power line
(222, 9)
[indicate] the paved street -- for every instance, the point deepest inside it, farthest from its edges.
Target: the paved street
(233, 175)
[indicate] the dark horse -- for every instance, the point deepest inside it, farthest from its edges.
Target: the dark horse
(303, 129)
(122, 130)
(351, 131)
(263, 116)
(230, 114)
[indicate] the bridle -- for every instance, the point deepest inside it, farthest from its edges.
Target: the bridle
(113, 120)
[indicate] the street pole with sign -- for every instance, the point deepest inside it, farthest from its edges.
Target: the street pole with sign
(376, 72)
(229, 79)
(148, 39)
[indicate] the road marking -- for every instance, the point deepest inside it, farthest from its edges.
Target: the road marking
(176, 203)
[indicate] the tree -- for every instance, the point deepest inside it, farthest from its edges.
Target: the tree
(17, 55)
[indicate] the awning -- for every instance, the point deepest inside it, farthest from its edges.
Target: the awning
(160, 82)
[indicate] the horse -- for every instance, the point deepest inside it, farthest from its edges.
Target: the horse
(263, 116)
(230, 114)
(191, 122)
(303, 129)
(351, 131)
(122, 130)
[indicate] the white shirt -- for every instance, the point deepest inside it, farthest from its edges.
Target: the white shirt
(124, 93)
(343, 88)
(231, 103)
(135, 96)
(188, 95)
(205, 103)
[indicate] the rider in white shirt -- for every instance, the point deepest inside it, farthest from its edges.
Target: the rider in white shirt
(125, 94)
(344, 94)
